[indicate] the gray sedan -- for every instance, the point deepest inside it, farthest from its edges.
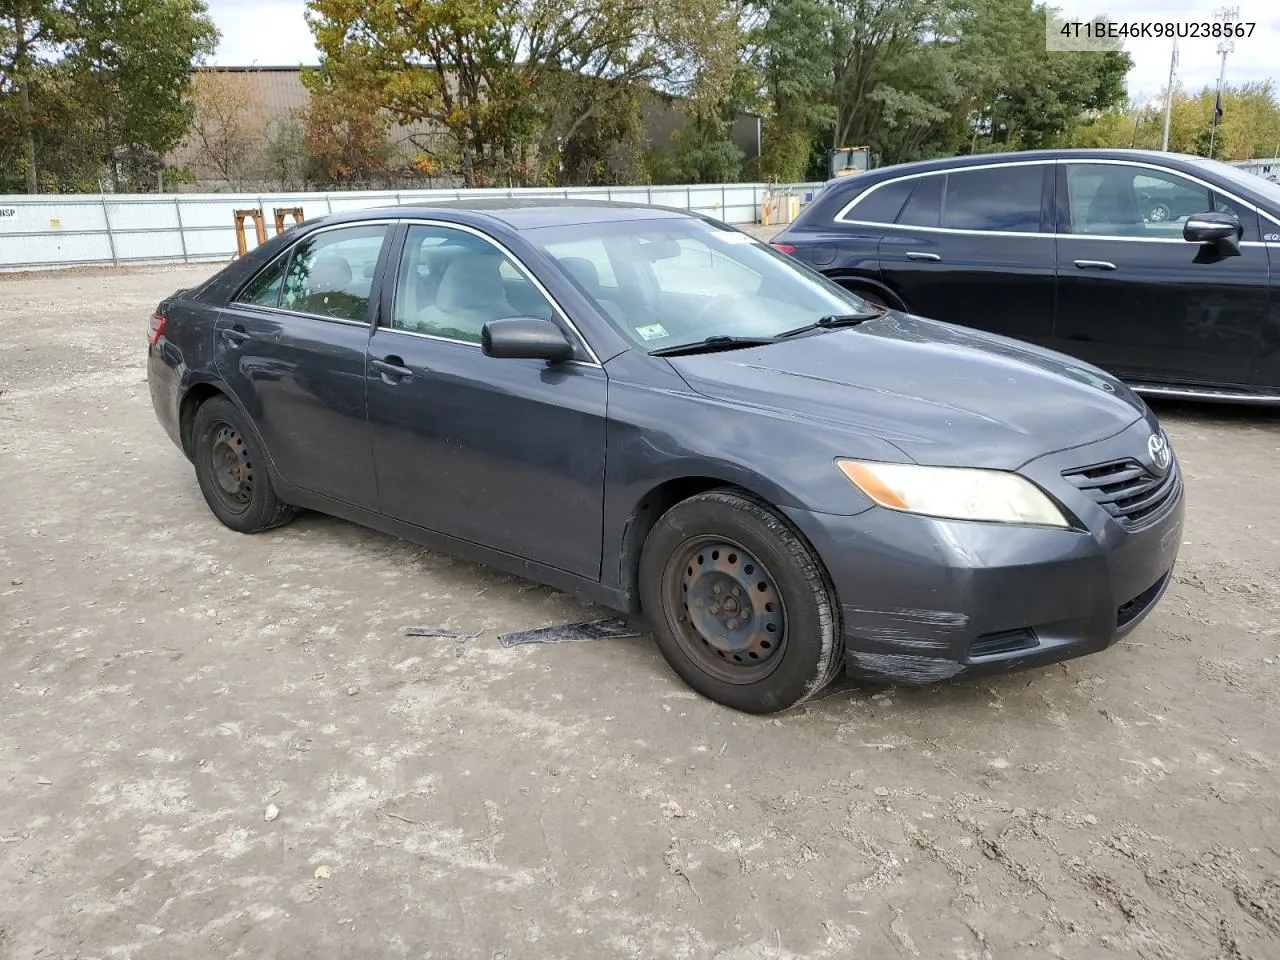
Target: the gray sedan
(661, 414)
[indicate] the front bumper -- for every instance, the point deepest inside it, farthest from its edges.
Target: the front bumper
(923, 600)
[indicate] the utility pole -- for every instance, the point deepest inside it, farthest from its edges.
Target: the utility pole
(1225, 15)
(1168, 97)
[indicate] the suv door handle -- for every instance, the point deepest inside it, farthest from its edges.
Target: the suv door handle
(392, 369)
(1095, 265)
(928, 257)
(234, 335)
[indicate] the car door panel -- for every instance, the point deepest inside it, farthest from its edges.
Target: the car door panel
(505, 453)
(302, 377)
(1140, 302)
(981, 258)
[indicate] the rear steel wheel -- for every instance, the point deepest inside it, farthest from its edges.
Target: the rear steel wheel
(231, 467)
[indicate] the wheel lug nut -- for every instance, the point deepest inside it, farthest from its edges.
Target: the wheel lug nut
(737, 592)
(716, 588)
(715, 608)
(733, 624)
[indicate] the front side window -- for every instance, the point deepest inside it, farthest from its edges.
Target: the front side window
(1003, 199)
(1118, 200)
(681, 280)
(452, 282)
(331, 273)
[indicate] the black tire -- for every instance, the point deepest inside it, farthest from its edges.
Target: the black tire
(733, 539)
(231, 468)
(875, 298)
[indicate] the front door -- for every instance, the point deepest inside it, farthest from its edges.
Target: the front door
(291, 347)
(504, 453)
(1139, 301)
(975, 247)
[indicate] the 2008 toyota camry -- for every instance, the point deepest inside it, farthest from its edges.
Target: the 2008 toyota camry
(657, 412)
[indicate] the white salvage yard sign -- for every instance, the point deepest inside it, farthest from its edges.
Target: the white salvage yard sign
(8, 215)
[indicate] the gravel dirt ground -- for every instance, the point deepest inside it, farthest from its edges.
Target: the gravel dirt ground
(166, 685)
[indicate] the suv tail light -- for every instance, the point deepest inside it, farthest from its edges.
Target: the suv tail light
(155, 328)
(787, 248)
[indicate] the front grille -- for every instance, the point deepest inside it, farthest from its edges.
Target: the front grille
(1127, 490)
(1007, 641)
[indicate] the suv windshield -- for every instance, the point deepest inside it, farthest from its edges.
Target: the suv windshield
(673, 281)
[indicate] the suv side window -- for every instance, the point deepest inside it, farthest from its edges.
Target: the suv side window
(924, 207)
(330, 273)
(1119, 200)
(882, 204)
(1005, 198)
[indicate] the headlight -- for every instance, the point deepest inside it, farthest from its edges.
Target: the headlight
(957, 493)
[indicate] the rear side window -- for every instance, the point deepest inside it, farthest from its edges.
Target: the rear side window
(1005, 198)
(331, 273)
(882, 204)
(924, 206)
(264, 289)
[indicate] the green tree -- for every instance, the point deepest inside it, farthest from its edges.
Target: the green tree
(490, 71)
(96, 87)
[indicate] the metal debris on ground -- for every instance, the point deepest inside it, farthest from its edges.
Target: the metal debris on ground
(442, 632)
(609, 628)
(463, 637)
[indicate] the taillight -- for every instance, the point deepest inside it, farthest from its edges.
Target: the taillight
(787, 248)
(155, 328)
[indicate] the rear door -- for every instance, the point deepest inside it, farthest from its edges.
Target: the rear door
(974, 247)
(1139, 301)
(291, 347)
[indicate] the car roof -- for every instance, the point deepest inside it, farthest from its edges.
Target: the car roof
(1181, 161)
(518, 213)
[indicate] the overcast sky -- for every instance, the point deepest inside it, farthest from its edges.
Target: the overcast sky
(273, 32)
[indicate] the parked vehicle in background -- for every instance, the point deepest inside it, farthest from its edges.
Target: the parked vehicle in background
(1156, 267)
(660, 413)
(847, 161)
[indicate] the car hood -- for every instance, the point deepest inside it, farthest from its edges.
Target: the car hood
(942, 394)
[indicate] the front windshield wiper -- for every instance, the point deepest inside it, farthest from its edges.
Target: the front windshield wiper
(829, 323)
(710, 345)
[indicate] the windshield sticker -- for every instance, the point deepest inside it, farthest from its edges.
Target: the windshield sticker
(653, 331)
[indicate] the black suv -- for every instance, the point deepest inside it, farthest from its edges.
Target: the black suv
(1157, 267)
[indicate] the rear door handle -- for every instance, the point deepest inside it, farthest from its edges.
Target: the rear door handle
(234, 336)
(928, 257)
(1095, 265)
(392, 369)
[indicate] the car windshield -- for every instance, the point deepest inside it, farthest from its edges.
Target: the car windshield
(668, 282)
(1234, 176)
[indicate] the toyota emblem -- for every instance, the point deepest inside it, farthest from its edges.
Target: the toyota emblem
(1158, 447)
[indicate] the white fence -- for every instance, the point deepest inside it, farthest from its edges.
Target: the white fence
(59, 230)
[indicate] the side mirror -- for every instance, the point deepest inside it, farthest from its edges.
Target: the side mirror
(1223, 230)
(525, 338)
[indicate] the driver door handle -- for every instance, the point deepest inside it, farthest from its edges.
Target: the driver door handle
(392, 369)
(1095, 265)
(927, 257)
(234, 336)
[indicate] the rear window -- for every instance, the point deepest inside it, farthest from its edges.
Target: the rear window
(1005, 198)
(922, 209)
(882, 204)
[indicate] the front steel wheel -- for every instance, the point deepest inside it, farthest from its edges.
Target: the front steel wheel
(739, 604)
(728, 614)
